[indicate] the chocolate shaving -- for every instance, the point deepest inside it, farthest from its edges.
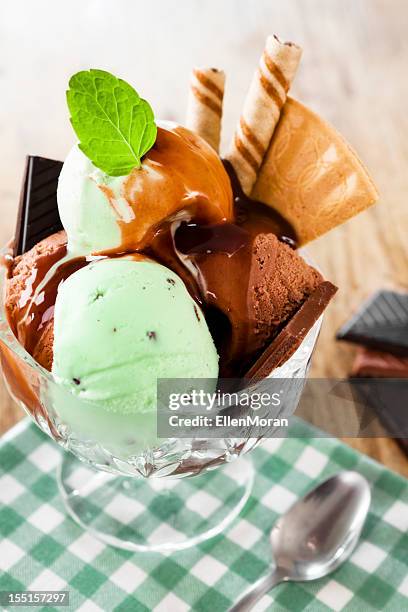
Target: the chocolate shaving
(196, 313)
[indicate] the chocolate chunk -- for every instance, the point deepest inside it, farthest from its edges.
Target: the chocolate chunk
(387, 398)
(98, 295)
(381, 323)
(38, 215)
(293, 333)
(377, 364)
(386, 402)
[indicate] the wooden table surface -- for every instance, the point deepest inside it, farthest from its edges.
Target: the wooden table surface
(353, 72)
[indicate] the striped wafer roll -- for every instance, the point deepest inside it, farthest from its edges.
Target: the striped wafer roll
(262, 107)
(204, 110)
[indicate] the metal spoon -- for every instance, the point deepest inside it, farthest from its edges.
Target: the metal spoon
(316, 535)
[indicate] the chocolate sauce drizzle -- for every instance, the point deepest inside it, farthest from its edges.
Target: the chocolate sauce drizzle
(214, 262)
(35, 315)
(250, 219)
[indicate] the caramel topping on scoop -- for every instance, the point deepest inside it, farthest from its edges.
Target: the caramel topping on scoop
(181, 176)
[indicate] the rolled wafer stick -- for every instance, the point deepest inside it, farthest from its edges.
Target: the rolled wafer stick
(262, 107)
(204, 110)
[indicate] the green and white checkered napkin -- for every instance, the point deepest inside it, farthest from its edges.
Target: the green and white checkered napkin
(42, 549)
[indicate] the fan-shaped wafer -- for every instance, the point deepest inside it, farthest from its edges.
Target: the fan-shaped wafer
(204, 110)
(311, 175)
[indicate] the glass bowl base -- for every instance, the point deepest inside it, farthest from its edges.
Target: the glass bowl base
(154, 514)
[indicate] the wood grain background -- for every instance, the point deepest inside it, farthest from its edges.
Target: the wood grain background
(353, 72)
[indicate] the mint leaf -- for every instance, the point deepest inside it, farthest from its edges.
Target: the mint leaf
(114, 125)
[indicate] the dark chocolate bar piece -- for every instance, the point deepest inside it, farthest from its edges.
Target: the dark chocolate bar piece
(293, 333)
(381, 323)
(38, 215)
(388, 400)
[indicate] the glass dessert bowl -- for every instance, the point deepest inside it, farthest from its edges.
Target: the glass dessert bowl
(147, 499)
(146, 256)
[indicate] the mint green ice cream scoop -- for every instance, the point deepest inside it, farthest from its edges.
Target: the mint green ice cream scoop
(119, 325)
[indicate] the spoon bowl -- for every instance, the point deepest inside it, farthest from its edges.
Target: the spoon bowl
(316, 535)
(312, 538)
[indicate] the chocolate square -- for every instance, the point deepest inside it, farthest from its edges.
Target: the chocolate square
(380, 323)
(38, 215)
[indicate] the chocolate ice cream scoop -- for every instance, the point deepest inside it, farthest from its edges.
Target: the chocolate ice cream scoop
(43, 351)
(256, 291)
(31, 315)
(246, 274)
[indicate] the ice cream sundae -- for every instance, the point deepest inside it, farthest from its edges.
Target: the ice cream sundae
(164, 259)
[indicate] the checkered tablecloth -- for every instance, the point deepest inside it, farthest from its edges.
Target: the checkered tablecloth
(40, 548)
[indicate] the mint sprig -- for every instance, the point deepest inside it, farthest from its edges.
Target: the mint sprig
(114, 125)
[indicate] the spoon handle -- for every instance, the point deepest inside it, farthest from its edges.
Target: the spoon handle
(258, 590)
